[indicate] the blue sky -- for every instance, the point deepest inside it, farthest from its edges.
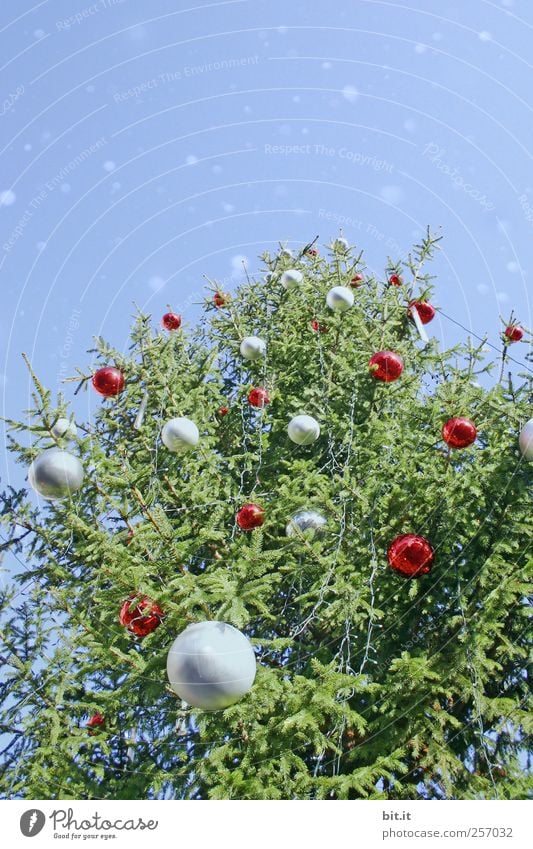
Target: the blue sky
(142, 147)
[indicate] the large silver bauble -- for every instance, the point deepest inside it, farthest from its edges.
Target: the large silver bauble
(292, 279)
(252, 347)
(180, 435)
(303, 430)
(525, 440)
(340, 298)
(341, 244)
(55, 474)
(211, 665)
(307, 522)
(64, 429)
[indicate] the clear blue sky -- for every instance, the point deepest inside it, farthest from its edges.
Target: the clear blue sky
(142, 146)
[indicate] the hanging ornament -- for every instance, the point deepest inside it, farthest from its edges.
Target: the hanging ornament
(171, 321)
(95, 721)
(424, 310)
(395, 280)
(252, 347)
(291, 279)
(513, 333)
(55, 474)
(223, 411)
(410, 555)
(340, 298)
(258, 397)
(459, 432)
(250, 516)
(141, 618)
(318, 327)
(341, 245)
(385, 366)
(211, 665)
(525, 440)
(312, 252)
(221, 299)
(108, 381)
(303, 430)
(180, 435)
(285, 253)
(64, 429)
(307, 522)
(356, 281)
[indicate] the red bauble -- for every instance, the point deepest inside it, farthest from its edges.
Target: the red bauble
(356, 281)
(318, 327)
(220, 299)
(459, 433)
(108, 381)
(171, 321)
(395, 280)
(410, 555)
(250, 516)
(258, 397)
(141, 619)
(389, 366)
(312, 252)
(223, 411)
(426, 312)
(513, 333)
(95, 720)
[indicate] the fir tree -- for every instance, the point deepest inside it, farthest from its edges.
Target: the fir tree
(369, 685)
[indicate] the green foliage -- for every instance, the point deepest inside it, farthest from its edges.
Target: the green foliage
(369, 685)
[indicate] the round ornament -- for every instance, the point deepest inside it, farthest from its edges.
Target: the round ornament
(426, 311)
(307, 522)
(303, 430)
(250, 516)
(410, 555)
(356, 281)
(258, 397)
(223, 411)
(341, 245)
(386, 366)
(108, 381)
(312, 252)
(220, 299)
(513, 333)
(340, 298)
(95, 721)
(211, 665)
(171, 321)
(252, 347)
(459, 432)
(395, 280)
(318, 327)
(525, 440)
(180, 435)
(64, 429)
(291, 279)
(55, 474)
(141, 618)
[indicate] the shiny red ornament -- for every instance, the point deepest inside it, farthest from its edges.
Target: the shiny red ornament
(356, 281)
(220, 299)
(318, 327)
(459, 432)
(223, 411)
(410, 555)
(395, 280)
(141, 619)
(108, 381)
(312, 252)
(250, 516)
(386, 366)
(96, 720)
(513, 333)
(171, 321)
(426, 312)
(258, 397)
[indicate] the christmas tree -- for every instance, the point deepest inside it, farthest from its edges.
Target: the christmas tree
(305, 465)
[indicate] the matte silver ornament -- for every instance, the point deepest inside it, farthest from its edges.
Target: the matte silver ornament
(307, 522)
(525, 440)
(340, 298)
(211, 665)
(55, 474)
(291, 279)
(64, 429)
(303, 430)
(341, 244)
(180, 435)
(252, 347)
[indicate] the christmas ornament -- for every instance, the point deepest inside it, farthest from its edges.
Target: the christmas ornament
(341, 244)
(285, 253)
(258, 397)
(340, 298)
(386, 366)
(211, 665)
(291, 279)
(513, 333)
(525, 440)
(223, 411)
(94, 721)
(108, 381)
(171, 321)
(252, 347)
(141, 618)
(459, 433)
(250, 516)
(64, 429)
(395, 280)
(220, 299)
(306, 522)
(303, 430)
(318, 327)
(312, 252)
(180, 435)
(425, 311)
(410, 555)
(356, 281)
(55, 474)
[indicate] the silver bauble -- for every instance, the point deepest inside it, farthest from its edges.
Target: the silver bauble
(252, 347)
(64, 429)
(55, 474)
(180, 435)
(211, 665)
(285, 253)
(291, 279)
(525, 440)
(303, 430)
(306, 522)
(341, 244)
(340, 298)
